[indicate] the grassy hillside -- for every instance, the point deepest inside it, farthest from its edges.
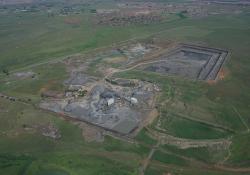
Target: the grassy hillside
(190, 109)
(30, 38)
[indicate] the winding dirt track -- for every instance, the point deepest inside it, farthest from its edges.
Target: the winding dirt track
(167, 139)
(161, 137)
(199, 164)
(55, 60)
(187, 143)
(205, 167)
(180, 142)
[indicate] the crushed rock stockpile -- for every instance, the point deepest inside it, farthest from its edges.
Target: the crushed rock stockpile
(112, 107)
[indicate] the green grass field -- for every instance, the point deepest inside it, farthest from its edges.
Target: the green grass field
(32, 38)
(23, 152)
(155, 170)
(28, 39)
(169, 159)
(205, 154)
(214, 103)
(184, 128)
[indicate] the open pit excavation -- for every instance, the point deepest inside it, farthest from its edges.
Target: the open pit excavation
(124, 87)
(121, 105)
(116, 108)
(195, 62)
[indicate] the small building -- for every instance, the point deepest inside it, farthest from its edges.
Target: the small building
(110, 101)
(133, 100)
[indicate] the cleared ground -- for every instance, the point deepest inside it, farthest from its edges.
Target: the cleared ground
(190, 61)
(197, 107)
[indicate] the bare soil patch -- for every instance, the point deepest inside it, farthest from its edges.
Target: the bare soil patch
(195, 62)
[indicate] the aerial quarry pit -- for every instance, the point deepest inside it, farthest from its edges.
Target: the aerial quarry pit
(115, 108)
(124, 87)
(190, 61)
(123, 106)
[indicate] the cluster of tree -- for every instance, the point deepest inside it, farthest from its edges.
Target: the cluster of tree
(6, 71)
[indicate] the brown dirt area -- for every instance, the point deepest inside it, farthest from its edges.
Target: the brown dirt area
(116, 60)
(48, 86)
(91, 134)
(72, 21)
(223, 73)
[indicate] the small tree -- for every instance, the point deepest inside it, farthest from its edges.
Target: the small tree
(6, 71)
